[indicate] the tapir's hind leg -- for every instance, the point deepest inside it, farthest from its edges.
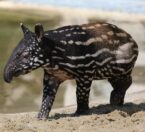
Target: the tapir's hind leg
(120, 85)
(82, 93)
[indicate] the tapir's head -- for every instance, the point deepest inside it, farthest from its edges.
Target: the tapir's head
(30, 53)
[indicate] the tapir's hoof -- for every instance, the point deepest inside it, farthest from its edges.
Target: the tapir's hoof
(81, 112)
(42, 116)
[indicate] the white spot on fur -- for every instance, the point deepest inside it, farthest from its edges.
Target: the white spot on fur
(71, 42)
(104, 36)
(36, 64)
(99, 39)
(47, 60)
(61, 31)
(72, 28)
(41, 55)
(64, 42)
(55, 31)
(66, 29)
(91, 27)
(121, 34)
(98, 25)
(68, 35)
(36, 59)
(56, 67)
(110, 33)
(84, 28)
(40, 61)
(78, 42)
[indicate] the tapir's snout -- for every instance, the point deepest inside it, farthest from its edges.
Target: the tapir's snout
(8, 74)
(11, 71)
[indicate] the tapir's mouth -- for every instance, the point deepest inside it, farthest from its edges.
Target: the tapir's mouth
(8, 75)
(17, 73)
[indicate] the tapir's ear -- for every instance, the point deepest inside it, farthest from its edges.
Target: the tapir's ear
(24, 28)
(39, 31)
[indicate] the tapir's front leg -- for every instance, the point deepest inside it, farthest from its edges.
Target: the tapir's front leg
(50, 84)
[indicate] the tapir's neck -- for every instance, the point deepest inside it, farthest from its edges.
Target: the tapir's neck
(54, 52)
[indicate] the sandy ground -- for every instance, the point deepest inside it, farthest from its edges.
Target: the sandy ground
(102, 118)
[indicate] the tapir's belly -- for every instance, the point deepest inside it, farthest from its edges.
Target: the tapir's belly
(60, 74)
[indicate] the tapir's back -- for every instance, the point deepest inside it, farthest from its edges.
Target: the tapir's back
(107, 34)
(102, 35)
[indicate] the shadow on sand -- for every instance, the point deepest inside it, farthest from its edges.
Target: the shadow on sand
(129, 108)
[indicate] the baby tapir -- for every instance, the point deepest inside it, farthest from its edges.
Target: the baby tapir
(82, 52)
